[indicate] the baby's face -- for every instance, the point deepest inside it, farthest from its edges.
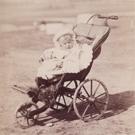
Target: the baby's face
(66, 41)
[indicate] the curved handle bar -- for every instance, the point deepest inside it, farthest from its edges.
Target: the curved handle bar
(103, 17)
(108, 17)
(92, 17)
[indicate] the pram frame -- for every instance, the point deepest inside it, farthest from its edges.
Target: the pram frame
(79, 81)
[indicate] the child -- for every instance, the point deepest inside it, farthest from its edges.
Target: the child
(68, 56)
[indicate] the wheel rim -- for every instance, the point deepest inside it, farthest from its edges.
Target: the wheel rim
(22, 115)
(65, 99)
(91, 99)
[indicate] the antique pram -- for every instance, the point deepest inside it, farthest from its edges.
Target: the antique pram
(87, 97)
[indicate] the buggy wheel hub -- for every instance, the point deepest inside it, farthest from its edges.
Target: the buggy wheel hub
(91, 99)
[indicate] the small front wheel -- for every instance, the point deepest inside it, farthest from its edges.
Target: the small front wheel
(22, 115)
(90, 100)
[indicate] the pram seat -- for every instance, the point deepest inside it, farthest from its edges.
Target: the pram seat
(91, 32)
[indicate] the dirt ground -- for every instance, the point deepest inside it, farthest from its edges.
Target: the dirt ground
(20, 47)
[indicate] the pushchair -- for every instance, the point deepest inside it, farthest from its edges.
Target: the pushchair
(88, 98)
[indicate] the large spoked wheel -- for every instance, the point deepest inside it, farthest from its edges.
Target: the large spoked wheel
(90, 100)
(65, 96)
(22, 115)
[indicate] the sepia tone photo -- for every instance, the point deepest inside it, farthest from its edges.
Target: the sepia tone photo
(67, 67)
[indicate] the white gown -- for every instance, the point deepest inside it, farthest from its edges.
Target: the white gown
(59, 61)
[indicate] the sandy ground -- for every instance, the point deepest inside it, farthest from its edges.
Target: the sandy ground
(19, 53)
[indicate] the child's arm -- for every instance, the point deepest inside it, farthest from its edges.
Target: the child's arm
(47, 54)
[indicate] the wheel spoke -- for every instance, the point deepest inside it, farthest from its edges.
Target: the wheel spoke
(69, 96)
(23, 113)
(85, 110)
(58, 101)
(75, 84)
(59, 98)
(82, 99)
(68, 84)
(96, 89)
(64, 100)
(91, 87)
(86, 91)
(101, 95)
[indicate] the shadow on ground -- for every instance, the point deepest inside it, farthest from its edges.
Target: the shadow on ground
(118, 103)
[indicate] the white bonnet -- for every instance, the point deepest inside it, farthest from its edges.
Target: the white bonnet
(59, 34)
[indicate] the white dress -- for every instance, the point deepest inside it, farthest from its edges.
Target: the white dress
(59, 61)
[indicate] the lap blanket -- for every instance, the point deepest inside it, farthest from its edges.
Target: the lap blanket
(58, 61)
